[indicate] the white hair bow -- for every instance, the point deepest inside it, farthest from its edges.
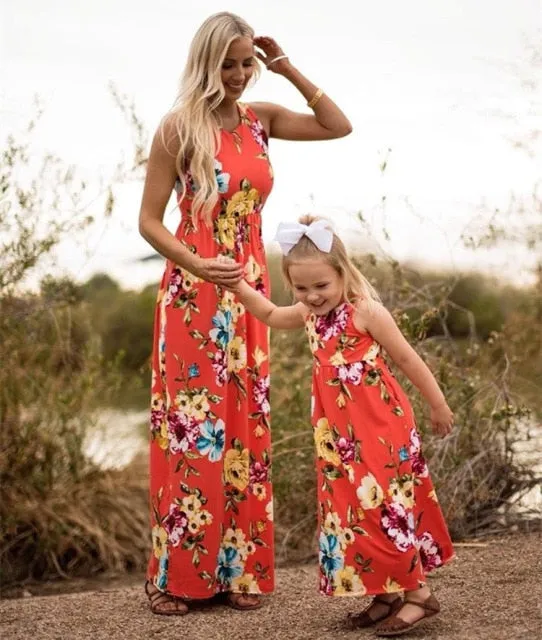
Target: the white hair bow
(290, 233)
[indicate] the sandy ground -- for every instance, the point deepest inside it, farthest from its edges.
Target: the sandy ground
(490, 592)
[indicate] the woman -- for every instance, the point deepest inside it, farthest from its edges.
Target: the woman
(210, 487)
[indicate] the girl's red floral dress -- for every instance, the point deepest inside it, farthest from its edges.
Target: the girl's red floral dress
(211, 497)
(381, 526)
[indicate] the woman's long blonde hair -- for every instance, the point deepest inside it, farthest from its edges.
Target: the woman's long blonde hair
(192, 120)
(356, 285)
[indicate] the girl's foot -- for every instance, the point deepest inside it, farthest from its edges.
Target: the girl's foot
(417, 606)
(164, 604)
(381, 606)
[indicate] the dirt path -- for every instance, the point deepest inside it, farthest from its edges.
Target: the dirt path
(491, 592)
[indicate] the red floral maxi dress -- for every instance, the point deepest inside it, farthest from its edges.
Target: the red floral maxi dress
(381, 526)
(211, 497)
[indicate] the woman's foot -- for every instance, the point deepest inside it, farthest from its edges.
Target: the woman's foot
(243, 601)
(417, 606)
(381, 606)
(164, 604)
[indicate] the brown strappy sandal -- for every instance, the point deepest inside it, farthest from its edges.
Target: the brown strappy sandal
(158, 599)
(394, 626)
(363, 619)
(243, 601)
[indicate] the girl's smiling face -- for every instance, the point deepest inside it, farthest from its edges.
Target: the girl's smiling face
(317, 285)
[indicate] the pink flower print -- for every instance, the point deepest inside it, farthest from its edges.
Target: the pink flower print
(430, 552)
(175, 524)
(259, 472)
(261, 394)
(259, 134)
(398, 524)
(220, 367)
(333, 323)
(174, 285)
(350, 372)
(183, 431)
(419, 465)
(346, 449)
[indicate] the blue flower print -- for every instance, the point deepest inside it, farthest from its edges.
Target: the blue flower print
(403, 454)
(223, 333)
(229, 565)
(161, 579)
(222, 179)
(193, 371)
(211, 440)
(331, 558)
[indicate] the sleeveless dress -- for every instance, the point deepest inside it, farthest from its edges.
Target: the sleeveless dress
(381, 528)
(211, 495)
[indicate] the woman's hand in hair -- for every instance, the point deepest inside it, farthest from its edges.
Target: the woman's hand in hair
(269, 50)
(223, 272)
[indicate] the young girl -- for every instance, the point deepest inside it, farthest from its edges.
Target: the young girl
(381, 527)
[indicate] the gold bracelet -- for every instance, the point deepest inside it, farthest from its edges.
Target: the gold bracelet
(315, 98)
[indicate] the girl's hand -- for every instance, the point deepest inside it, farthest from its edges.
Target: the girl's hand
(442, 419)
(271, 50)
(221, 271)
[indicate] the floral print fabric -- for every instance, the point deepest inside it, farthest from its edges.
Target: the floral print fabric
(381, 528)
(210, 485)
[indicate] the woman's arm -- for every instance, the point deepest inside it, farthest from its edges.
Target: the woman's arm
(378, 321)
(159, 183)
(327, 121)
(291, 317)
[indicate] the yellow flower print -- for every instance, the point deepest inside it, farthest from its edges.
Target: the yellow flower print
(204, 518)
(402, 491)
(337, 359)
(392, 586)
(259, 431)
(370, 493)
(200, 407)
(245, 584)
(346, 537)
(191, 506)
(348, 582)
(226, 231)
(234, 538)
(252, 270)
(229, 303)
(341, 400)
(242, 203)
(313, 337)
(372, 353)
(193, 526)
(237, 355)
(325, 446)
(259, 356)
(236, 468)
(189, 280)
(259, 491)
(332, 524)
(159, 539)
(162, 439)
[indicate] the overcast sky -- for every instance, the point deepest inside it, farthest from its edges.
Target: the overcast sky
(426, 79)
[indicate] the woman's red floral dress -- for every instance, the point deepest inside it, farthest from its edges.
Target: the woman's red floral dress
(381, 526)
(211, 497)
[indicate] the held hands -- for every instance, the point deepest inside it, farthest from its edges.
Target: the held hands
(273, 56)
(442, 419)
(221, 271)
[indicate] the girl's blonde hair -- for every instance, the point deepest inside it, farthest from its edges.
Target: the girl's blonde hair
(356, 285)
(195, 125)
